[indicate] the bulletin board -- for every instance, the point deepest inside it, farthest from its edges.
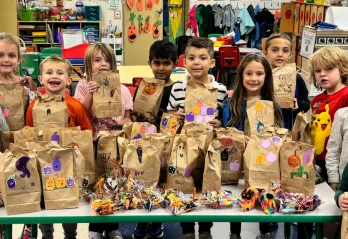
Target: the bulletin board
(142, 25)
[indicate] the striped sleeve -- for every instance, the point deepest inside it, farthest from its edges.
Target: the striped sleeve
(177, 96)
(221, 98)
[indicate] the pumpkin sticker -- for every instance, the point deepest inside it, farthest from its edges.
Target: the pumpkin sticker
(140, 23)
(307, 157)
(70, 182)
(147, 26)
(60, 182)
(156, 2)
(132, 30)
(294, 161)
(50, 183)
(260, 160)
(150, 89)
(130, 4)
(155, 29)
(148, 5)
(11, 182)
(140, 5)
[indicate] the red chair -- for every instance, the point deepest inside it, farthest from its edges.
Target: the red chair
(181, 60)
(136, 81)
(42, 91)
(130, 87)
(229, 58)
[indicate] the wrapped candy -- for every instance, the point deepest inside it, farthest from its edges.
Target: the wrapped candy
(103, 206)
(177, 202)
(220, 199)
(249, 199)
(152, 198)
(267, 202)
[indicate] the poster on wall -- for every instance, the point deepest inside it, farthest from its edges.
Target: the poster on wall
(113, 4)
(307, 42)
(130, 4)
(132, 29)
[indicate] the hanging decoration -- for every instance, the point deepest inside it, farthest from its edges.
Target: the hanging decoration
(155, 29)
(148, 5)
(130, 4)
(140, 5)
(132, 30)
(147, 27)
(141, 25)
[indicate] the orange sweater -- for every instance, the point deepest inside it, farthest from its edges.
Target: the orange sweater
(77, 114)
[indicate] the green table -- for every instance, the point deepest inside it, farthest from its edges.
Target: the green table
(327, 212)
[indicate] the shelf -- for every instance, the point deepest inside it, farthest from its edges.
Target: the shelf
(59, 21)
(32, 36)
(312, 4)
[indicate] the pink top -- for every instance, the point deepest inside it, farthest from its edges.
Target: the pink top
(81, 93)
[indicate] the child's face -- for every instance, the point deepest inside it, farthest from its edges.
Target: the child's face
(254, 78)
(327, 77)
(198, 62)
(55, 77)
(279, 52)
(9, 58)
(162, 68)
(99, 63)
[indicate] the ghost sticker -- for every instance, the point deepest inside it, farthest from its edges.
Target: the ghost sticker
(21, 165)
(224, 155)
(85, 181)
(180, 152)
(140, 154)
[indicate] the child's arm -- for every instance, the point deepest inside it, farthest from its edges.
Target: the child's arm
(28, 82)
(334, 149)
(302, 94)
(3, 124)
(84, 93)
(127, 117)
(341, 201)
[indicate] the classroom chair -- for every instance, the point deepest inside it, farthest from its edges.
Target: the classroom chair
(136, 81)
(50, 51)
(130, 87)
(181, 60)
(229, 58)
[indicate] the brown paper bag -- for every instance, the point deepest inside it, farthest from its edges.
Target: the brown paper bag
(231, 150)
(200, 102)
(143, 162)
(136, 130)
(212, 168)
(297, 167)
(183, 160)
(107, 101)
(20, 182)
(284, 82)
(7, 138)
(13, 101)
(27, 134)
(60, 188)
(301, 131)
(148, 99)
(50, 112)
(169, 124)
(261, 160)
(109, 152)
(260, 114)
(344, 226)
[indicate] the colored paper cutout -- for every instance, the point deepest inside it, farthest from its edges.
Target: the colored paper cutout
(21, 165)
(265, 143)
(234, 166)
(271, 157)
(11, 182)
(307, 157)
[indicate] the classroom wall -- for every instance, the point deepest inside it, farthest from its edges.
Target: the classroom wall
(8, 17)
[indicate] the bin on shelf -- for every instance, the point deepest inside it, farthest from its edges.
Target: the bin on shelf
(75, 51)
(29, 14)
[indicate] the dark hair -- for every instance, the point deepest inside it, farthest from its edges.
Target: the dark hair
(201, 42)
(277, 36)
(163, 49)
(267, 91)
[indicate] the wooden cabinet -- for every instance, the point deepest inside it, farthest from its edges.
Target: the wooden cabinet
(8, 17)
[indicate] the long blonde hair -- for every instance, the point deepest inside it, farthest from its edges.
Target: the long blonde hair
(93, 50)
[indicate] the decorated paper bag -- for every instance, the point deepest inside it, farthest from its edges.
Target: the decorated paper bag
(344, 226)
(169, 124)
(50, 112)
(301, 131)
(200, 102)
(107, 101)
(231, 150)
(7, 138)
(20, 182)
(297, 167)
(261, 161)
(148, 99)
(212, 168)
(27, 134)
(283, 133)
(183, 160)
(136, 130)
(143, 162)
(260, 114)
(13, 101)
(60, 189)
(284, 82)
(109, 152)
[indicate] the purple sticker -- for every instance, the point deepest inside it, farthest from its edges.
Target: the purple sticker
(207, 118)
(151, 129)
(271, 157)
(199, 119)
(11, 182)
(56, 164)
(188, 171)
(210, 111)
(70, 182)
(47, 170)
(164, 122)
(203, 110)
(190, 117)
(275, 139)
(265, 143)
(234, 166)
(307, 157)
(55, 137)
(21, 166)
(138, 136)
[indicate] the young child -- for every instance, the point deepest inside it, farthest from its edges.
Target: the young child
(278, 51)
(199, 58)
(55, 75)
(254, 81)
(341, 200)
(162, 60)
(10, 57)
(100, 57)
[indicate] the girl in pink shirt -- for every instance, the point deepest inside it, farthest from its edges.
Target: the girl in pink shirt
(100, 57)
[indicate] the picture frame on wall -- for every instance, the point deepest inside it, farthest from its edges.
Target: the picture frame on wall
(117, 14)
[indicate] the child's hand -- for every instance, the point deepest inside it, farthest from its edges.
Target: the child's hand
(295, 104)
(180, 114)
(28, 82)
(215, 123)
(334, 186)
(92, 87)
(343, 202)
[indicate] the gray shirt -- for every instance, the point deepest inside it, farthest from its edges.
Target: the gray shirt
(218, 15)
